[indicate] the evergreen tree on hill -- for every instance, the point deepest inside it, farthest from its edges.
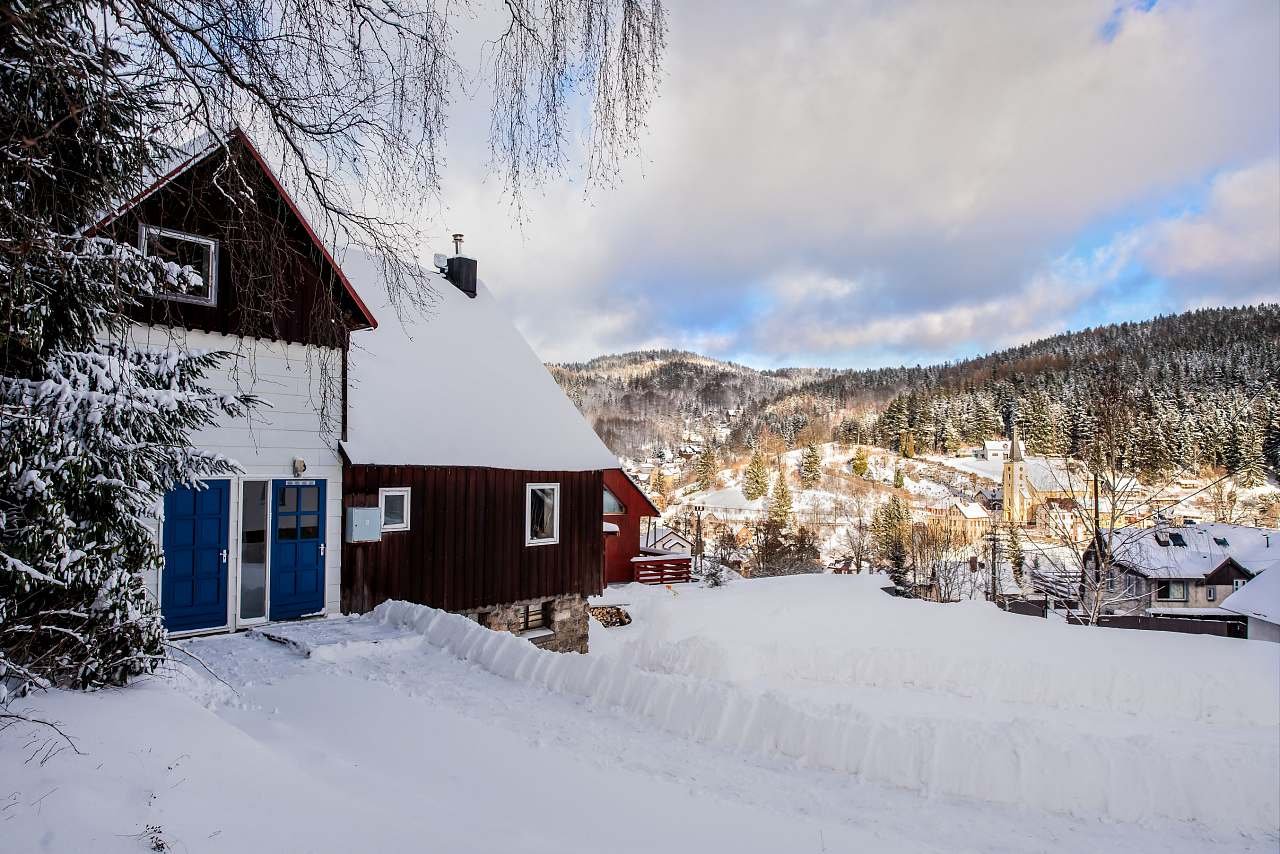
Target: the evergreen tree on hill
(755, 482)
(860, 464)
(780, 501)
(810, 467)
(707, 467)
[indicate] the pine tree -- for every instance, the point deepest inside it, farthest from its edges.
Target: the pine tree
(890, 530)
(755, 483)
(1017, 557)
(860, 463)
(707, 467)
(92, 430)
(780, 501)
(899, 480)
(810, 466)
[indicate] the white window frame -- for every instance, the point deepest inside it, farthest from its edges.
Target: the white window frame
(144, 230)
(1211, 593)
(407, 492)
(528, 514)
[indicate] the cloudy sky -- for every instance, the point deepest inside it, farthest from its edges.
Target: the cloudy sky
(860, 184)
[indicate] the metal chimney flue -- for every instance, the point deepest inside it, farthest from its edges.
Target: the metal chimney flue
(457, 244)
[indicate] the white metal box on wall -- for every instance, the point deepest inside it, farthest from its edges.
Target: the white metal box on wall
(364, 524)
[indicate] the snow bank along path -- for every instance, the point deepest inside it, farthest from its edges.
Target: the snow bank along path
(1083, 771)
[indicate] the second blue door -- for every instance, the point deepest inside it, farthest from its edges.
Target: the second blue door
(297, 548)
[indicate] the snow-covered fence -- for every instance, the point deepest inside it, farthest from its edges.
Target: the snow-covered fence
(1060, 767)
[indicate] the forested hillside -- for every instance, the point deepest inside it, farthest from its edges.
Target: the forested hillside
(1201, 387)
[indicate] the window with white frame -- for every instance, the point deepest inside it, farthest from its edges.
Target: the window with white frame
(1211, 593)
(191, 263)
(1172, 591)
(541, 514)
(394, 505)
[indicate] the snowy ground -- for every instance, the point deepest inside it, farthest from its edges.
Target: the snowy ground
(799, 714)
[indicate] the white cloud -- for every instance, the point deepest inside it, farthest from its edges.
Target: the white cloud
(1233, 244)
(885, 171)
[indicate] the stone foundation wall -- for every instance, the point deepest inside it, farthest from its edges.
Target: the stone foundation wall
(564, 621)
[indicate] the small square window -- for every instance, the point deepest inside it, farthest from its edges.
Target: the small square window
(531, 617)
(191, 264)
(542, 514)
(394, 504)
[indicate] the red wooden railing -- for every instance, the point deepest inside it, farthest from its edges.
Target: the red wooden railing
(666, 569)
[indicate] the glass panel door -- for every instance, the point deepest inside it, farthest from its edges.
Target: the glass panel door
(253, 551)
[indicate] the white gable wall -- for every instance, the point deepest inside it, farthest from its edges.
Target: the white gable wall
(288, 377)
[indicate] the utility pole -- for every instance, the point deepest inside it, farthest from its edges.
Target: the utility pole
(701, 547)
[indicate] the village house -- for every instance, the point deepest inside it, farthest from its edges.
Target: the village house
(263, 544)
(967, 521)
(995, 449)
(1186, 571)
(472, 483)
(1258, 602)
(667, 541)
(626, 557)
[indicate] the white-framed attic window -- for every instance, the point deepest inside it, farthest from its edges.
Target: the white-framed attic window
(541, 514)
(393, 503)
(181, 250)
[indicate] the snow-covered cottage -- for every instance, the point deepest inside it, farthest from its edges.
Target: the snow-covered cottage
(265, 544)
(1190, 570)
(472, 483)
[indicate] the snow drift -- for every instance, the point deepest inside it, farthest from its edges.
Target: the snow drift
(1075, 740)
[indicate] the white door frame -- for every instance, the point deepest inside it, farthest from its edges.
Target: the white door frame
(237, 542)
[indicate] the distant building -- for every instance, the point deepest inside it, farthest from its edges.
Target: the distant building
(967, 521)
(996, 449)
(1259, 601)
(1189, 570)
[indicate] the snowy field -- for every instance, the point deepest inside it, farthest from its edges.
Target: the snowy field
(810, 713)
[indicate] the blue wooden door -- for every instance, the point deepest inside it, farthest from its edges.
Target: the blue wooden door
(297, 548)
(193, 588)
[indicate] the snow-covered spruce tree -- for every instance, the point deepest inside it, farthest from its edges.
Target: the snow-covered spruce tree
(755, 482)
(780, 501)
(707, 467)
(810, 466)
(92, 432)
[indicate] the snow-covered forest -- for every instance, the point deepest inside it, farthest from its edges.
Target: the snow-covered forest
(1201, 389)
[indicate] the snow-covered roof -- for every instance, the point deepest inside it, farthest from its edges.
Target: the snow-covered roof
(458, 387)
(729, 498)
(1259, 598)
(1194, 551)
(1175, 611)
(609, 528)
(995, 445)
(969, 509)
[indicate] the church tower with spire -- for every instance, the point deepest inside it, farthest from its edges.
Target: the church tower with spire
(1014, 483)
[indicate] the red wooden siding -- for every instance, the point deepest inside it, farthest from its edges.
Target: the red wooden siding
(621, 549)
(465, 545)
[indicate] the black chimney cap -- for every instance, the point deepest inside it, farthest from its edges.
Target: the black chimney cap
(462, 273)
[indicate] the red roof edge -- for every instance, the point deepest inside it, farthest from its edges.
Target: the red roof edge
(237, 133)
(643, 496)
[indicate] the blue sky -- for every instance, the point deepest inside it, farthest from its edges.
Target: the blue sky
(858, 184)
